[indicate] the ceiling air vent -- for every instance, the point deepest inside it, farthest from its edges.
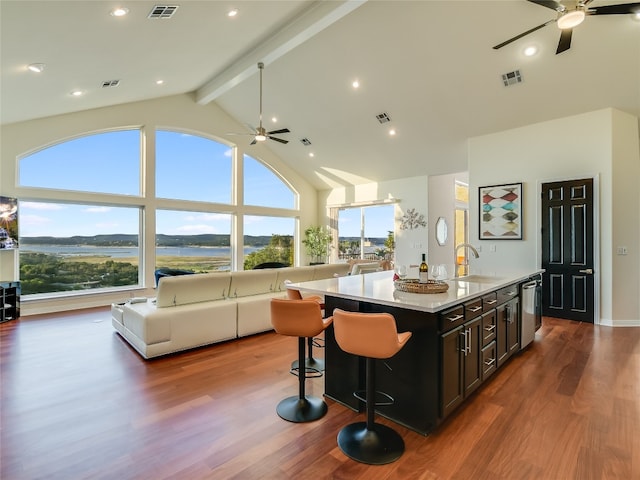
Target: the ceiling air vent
(110, 83)
(163, 11)
(511, 78)
(383, 117)
(305, 141)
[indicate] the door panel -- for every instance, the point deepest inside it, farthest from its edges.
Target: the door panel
(567, 250)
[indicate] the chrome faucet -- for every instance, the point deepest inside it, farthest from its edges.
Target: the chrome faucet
(465, 264)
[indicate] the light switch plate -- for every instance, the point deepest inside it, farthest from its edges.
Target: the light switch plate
(621, 250)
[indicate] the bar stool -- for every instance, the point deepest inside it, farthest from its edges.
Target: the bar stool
(310, 362)
(373, 336)
(302, 319)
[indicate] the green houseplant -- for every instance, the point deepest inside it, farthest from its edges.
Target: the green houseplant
(317, 241)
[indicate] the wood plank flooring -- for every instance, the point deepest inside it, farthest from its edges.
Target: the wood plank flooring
(79, 403)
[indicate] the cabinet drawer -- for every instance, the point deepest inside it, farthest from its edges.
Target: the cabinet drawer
(489, 301)
(489, 360)
(473, 308)
(451, 318)
(489, 327)
(507, 293)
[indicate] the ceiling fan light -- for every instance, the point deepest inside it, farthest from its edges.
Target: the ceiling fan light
(260, 138)
(571, 19)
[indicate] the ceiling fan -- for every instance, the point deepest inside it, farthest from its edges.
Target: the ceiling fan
(571, 16)
(260, 134)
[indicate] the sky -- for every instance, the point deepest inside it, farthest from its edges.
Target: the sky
(110, 163)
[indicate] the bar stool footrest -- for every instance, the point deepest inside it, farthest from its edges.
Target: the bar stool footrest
(381, 400)
(378, 446)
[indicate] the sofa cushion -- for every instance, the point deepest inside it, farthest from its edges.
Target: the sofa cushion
(253, 282)
(294, 275)
(331, 270)
(186, 289)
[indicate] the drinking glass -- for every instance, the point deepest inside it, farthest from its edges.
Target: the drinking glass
(401, 270)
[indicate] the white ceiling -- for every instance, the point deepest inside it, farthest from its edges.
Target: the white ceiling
(428, 64)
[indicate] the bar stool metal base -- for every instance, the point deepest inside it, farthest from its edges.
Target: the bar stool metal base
(300, 410)
(376, 446)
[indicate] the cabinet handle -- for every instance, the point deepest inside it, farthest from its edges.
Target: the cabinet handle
(464, 348)
(511, 293)
(490, 362)
(491, 302)
(470, 340)
(455, 318)
(474, 309)
(490, 328)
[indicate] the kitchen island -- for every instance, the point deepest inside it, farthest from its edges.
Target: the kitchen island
(460, 338)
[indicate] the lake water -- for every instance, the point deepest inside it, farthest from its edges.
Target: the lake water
(120, 252)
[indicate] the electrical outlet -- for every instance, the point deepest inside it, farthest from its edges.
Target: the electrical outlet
(492, 247)
(622, 250)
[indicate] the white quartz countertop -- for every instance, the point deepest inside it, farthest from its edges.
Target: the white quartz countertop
(378, 288)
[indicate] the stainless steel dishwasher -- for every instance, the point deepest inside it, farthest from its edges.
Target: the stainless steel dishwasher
(530, 311)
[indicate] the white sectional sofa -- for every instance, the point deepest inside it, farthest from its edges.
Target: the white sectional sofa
(194, 310)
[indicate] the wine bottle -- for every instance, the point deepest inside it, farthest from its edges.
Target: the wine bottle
(423, 275)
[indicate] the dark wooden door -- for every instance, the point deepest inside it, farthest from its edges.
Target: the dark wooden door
(451, 364)
(567, 250)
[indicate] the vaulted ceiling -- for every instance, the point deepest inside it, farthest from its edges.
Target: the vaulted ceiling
(429, 65)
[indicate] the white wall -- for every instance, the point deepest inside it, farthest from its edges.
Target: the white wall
(411, 193)
(603, 145)
(179, 112)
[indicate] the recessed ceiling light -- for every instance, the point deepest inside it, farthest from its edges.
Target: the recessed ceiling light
(530, 51)
(36, 67)
(636, 16)
(159, 82)
(311, 154)
(232, 13)
(77, 93)
(355, 84)
(274, 119)
(119, 12)
(392, 132)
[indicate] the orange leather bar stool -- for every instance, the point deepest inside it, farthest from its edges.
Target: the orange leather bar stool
(302, 319)
(373, 336)
(310, 362)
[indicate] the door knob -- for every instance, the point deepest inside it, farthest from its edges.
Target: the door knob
(587, 270)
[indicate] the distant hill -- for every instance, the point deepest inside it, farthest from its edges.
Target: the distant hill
(124, 240)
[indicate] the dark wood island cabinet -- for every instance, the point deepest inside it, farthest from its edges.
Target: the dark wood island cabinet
(453, 349)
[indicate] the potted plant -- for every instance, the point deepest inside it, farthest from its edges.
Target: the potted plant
(317, 241)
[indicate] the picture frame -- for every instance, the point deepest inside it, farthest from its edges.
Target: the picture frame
(500, 212)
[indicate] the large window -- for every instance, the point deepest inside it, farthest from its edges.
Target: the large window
(196, 241)
(105, 162)
(67, 247)
(263, 187)
(366, 232)
(91, 238)
(191, 167)
(268, 239)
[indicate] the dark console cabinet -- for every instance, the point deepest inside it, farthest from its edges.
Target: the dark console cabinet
(9, 301)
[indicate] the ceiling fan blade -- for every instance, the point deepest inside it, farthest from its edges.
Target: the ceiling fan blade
(517, 37)
(620, 9)
(282, 130)
(279, 140)
(254, 142)
(552, 4)
(565, 40)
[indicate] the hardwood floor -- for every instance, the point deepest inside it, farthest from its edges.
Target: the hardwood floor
(79, 403)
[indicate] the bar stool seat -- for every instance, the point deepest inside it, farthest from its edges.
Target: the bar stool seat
(302, 319)
(373, 336)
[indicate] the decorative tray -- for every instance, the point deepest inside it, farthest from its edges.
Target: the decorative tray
(414, 286)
